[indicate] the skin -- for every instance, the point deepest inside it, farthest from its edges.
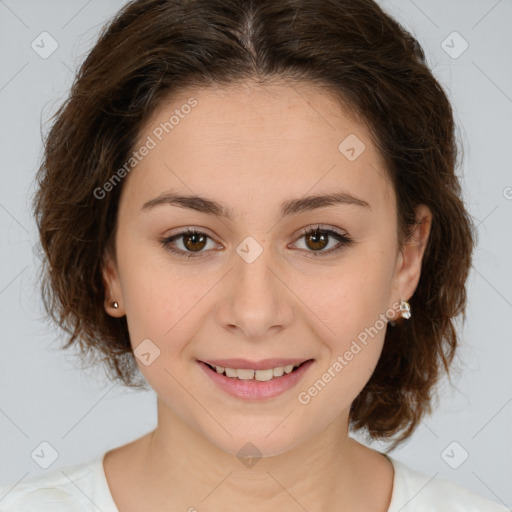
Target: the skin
(251, 147)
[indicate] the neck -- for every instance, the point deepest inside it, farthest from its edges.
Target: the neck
(183, 468)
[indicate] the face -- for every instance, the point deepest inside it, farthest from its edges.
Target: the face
(268, 279)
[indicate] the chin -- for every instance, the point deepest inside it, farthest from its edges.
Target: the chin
(251, 448)
(254, 437)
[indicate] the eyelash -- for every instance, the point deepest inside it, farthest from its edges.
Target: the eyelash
(344, 241)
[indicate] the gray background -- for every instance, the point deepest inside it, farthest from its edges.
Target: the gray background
(44, 396)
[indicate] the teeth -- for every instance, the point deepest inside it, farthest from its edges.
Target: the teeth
(231, 373)
(259, 375)
(245, 374)
(278, 372)
(264, 375)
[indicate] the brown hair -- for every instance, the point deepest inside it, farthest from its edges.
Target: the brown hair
(155, 47)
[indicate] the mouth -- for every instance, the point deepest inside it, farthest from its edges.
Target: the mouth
(255, 381)
(261, 375)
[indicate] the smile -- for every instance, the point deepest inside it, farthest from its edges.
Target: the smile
(270, 379)
(259, 375)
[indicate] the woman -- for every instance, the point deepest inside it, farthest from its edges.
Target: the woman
(254, 205)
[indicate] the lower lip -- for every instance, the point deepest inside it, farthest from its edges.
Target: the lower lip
(253, 389)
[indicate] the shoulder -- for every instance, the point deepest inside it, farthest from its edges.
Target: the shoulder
(58, 490)
(419, 492)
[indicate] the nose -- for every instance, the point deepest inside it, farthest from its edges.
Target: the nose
(255, 301)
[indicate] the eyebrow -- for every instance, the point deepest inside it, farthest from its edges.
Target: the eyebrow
(291, 207)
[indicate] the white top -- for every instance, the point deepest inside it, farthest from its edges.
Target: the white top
(84, 488)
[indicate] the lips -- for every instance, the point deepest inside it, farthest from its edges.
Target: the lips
(252, 380)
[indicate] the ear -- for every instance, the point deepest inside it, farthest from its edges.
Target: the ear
(409, 259)
(111, 284)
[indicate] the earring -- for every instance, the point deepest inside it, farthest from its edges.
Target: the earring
(114, 303)
(405, 309)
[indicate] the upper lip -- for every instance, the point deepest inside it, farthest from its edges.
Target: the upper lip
(244, 364)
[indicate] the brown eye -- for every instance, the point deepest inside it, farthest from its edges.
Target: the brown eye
(194, 241)
(317, 240)
(188, 243)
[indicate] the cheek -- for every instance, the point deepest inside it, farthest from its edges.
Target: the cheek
(352, 296)
(352, 306)
(159, 301)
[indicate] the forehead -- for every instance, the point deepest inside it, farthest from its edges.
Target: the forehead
(280, 138)
(249, 113)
